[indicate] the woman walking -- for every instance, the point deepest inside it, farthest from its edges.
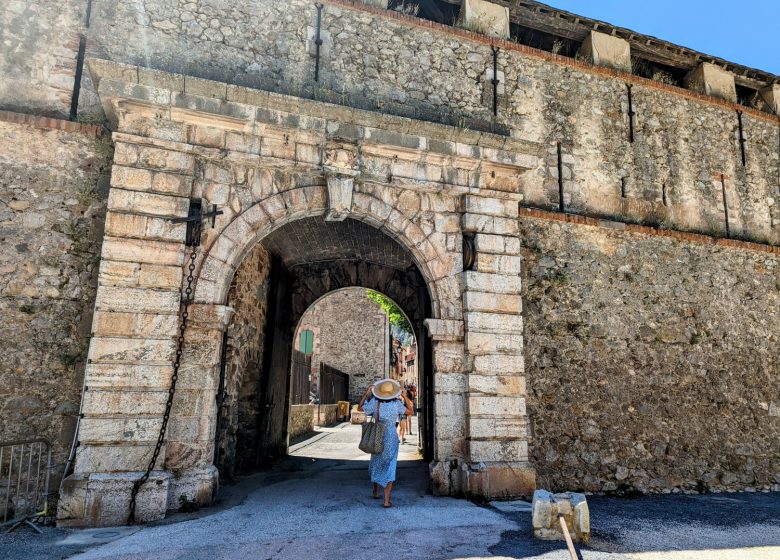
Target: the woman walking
(387, 404)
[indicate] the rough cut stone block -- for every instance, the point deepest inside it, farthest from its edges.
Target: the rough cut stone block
(490, 206)
(485, 17)
(115, 458)
(146, 203)
(135, 325)
(713, 80)
(771, 96)
(137, 299)
(198, 485)
(493, 322)
(606, 50)
(143, 251)
(444, 329)
(117, 430)
(492, 303)
(129, 350)
(496, 244)
(490, 224)
(135, 376)
(498, 363)
(478, 343)
(514, 450)
(546, 509)
(487, 428)
(502, 384)
(493, 405)
(493, 283)
(498, 264)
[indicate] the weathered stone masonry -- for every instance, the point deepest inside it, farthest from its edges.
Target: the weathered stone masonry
(652, 361)
(53, 183)
(631, 317)
(171, 143)
(350, 334)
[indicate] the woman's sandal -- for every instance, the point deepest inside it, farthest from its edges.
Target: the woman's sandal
(388, 505)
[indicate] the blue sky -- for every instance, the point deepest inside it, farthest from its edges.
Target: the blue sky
(745, 32)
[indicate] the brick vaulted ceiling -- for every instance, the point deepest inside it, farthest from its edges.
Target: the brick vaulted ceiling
(313, 240)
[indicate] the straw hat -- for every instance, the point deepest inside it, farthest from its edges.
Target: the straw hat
(386, 389)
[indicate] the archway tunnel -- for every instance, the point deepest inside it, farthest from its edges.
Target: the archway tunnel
(283, 276)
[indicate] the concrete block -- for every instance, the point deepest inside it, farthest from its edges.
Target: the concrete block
(546, 509)
(485, 17)
(712, 80)
(606, 50)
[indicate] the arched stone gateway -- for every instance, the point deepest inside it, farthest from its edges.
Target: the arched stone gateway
(265, 161)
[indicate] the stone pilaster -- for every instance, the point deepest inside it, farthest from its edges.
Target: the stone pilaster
(449, 388)
(133, 337)
(189, 440)
(496, 435)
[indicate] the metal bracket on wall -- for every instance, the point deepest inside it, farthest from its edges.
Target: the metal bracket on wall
(495, 80)
(631, 113)
(318, 42)
(742, 139)
(194, 220)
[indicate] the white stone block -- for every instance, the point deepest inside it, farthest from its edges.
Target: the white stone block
(713, 80)
(548, 507)
(485, 17)
(495, 283)
(606, 50)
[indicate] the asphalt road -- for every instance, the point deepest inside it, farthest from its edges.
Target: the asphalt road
(317, 504)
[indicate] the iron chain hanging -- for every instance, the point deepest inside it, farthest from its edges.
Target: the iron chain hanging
(183, 318)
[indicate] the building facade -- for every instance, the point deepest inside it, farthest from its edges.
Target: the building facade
(580, 223)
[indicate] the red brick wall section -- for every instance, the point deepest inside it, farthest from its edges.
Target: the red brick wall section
(644, 230)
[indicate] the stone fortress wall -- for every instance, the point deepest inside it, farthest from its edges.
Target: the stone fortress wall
(53, 187)
(607, 307)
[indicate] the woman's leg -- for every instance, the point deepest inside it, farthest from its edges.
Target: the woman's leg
(388, 489)
(376, 490)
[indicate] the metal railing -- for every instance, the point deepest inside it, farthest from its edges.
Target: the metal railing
(25, 469)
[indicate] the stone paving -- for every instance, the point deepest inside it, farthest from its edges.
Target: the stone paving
(317, 504)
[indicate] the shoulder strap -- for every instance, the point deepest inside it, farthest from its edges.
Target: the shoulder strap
(378, 407)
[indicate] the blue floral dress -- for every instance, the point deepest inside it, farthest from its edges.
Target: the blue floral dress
(382, 466)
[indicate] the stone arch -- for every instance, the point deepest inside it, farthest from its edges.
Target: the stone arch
(225, 253)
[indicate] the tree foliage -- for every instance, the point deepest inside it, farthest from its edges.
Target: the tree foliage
(392, 310)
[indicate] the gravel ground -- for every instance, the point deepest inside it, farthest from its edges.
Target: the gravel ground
(317, 504)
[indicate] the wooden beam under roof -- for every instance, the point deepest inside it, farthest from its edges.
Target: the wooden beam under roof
(541, 17)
